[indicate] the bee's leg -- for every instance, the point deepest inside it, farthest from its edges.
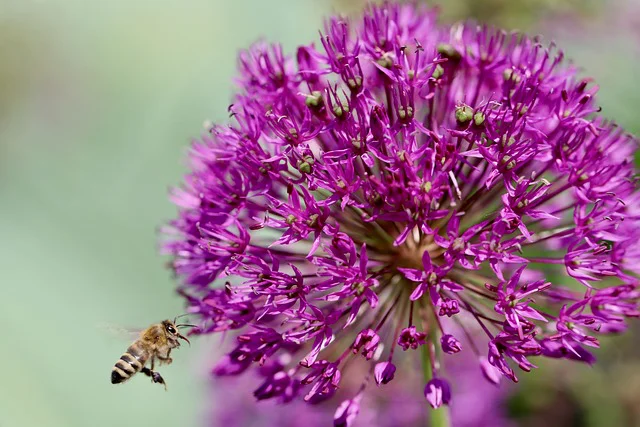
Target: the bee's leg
(166, 359)
(155, 376)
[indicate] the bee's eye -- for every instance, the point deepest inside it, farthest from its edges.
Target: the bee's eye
(171, 329)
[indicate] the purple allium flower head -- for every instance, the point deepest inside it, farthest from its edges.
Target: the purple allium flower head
(395, 175)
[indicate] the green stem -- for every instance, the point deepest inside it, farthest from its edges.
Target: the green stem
(437, 417)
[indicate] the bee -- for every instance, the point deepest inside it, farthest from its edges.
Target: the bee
(154, 343)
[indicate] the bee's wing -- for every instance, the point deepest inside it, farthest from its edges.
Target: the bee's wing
(119, 331)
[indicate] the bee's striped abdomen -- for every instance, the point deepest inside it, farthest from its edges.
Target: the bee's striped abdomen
(130, 362)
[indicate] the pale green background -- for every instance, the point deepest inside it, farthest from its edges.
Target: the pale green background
(109, 94)
(98, 100)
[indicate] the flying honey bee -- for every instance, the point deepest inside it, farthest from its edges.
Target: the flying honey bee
(154, 343)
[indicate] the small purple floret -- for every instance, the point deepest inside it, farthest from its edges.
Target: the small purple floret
(384, 372)
(437, 392)
(450, 344)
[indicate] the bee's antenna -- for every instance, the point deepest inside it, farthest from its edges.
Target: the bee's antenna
(186, 324)
(177, 317)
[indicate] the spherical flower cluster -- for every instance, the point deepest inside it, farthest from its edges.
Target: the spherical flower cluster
(398, 174)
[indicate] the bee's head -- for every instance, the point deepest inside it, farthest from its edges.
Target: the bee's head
(172, 332)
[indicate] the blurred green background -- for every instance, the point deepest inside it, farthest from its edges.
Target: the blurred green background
(98, 101)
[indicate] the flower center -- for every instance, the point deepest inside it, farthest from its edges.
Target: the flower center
(410, 256)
